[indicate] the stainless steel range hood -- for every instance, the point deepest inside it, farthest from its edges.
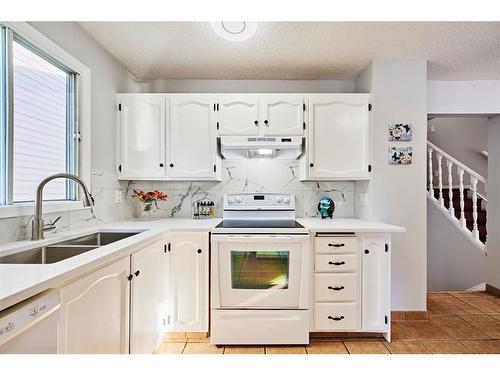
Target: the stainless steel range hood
(245, 147)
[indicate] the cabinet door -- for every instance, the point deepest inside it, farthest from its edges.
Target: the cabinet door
(339, 137)
(376, 288)
(192, 135)
(141, 129)
(238, 115)
(188, 282)
(148, 312)
(282, 114)
(94, 316)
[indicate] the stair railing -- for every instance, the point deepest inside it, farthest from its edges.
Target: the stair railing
(462, 172)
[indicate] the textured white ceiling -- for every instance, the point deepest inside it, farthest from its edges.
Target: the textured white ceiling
(300, 50)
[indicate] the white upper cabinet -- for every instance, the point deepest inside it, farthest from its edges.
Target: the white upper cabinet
(376, 285)
(238, 114)
(141, 131)
(282, 114)
(338, 146)
(149, 304)
(188, 273)
(192, 146)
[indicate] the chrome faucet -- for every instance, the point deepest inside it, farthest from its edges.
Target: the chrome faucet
(37, 226)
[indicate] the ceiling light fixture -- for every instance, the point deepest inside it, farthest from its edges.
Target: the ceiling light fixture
(235, 31)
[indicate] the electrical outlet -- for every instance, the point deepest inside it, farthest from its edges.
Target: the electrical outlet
(363, 199)
(118, 196)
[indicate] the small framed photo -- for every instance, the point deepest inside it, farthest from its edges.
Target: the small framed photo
(400, 132)
(400, 155)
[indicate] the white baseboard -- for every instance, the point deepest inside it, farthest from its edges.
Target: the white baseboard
(478, 288)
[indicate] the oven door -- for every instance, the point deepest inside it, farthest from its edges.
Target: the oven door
(260, 271)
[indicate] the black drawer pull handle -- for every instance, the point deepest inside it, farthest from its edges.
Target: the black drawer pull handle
(337, 318)
(336, 263)
(136, 273)
(335, 287)
(336, 244)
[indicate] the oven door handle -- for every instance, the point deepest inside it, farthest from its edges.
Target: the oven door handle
(296, 238)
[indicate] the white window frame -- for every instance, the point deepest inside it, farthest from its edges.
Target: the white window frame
(33, 36)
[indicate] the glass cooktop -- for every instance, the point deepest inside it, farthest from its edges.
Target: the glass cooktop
(241, 223)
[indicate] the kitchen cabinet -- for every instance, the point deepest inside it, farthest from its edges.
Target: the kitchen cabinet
(338, 138)
(94, 314)
(238, 114)
(376, 285)
(192, 146)
(149, 302)
(188, 281)
(282, 114)
(141, 136)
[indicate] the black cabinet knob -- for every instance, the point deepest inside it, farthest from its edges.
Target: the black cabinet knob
(367, 251)
(171, 165)
(136, 273)
(266, 122)
(256, 122)
(161, 165)
(199, 251)
(311, 165)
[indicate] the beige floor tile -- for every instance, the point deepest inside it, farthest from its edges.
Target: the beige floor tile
(244, 349)
(285, 350)
(400, 333)
(494, 299)
(437, 294)
(175, 339)
(426, 330)
(417, 315)
(487, 324)
(450, 305)
(447, 347)
(175, 335)
(202, 348)
(483, 346)
(199, 339)
(457, 327)
(196, 335)
(324, 339)
(482, 304)
(361, 339)
(366, 348)
(317, 347)
(170, 348)
(407, 347)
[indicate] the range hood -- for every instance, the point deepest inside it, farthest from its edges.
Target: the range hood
(245, 147)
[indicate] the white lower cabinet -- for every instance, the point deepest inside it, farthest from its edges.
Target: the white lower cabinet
(351, 283)
(376, 285)
(94, 315)
(188, 281)
(148, 311)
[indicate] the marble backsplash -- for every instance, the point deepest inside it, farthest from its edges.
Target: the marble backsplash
(238, 176)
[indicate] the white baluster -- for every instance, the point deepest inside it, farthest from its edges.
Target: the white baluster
(462, 204)
(449, 164)
(431, 173)
(440, 177)
(475, 229)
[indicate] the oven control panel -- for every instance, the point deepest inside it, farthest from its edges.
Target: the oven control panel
(259, 201)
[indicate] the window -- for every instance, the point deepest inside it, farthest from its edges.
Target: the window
(39, 123)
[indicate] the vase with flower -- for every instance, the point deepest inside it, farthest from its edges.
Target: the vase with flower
(148, 201)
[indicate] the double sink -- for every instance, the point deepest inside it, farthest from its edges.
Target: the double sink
(66, 249)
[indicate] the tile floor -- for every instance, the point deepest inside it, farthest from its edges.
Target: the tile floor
(459, 323)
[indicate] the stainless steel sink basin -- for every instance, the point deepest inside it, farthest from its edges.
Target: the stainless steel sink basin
(66, 249)
(99, 238)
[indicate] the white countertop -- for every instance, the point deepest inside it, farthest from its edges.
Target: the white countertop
(21, 281)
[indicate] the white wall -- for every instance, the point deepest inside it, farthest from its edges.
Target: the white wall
(463, 97)
(396, 194)
(453, 262)
(493, 224)
(242, 85)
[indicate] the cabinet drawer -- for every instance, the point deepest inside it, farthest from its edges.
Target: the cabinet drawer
(334, 245)
(336, 263)
(335, 287)
(336, 316)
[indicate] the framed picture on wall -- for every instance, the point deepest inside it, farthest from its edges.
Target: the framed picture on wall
(400, 132)
(400, 155)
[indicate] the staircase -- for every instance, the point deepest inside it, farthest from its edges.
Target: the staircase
(459, 192)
